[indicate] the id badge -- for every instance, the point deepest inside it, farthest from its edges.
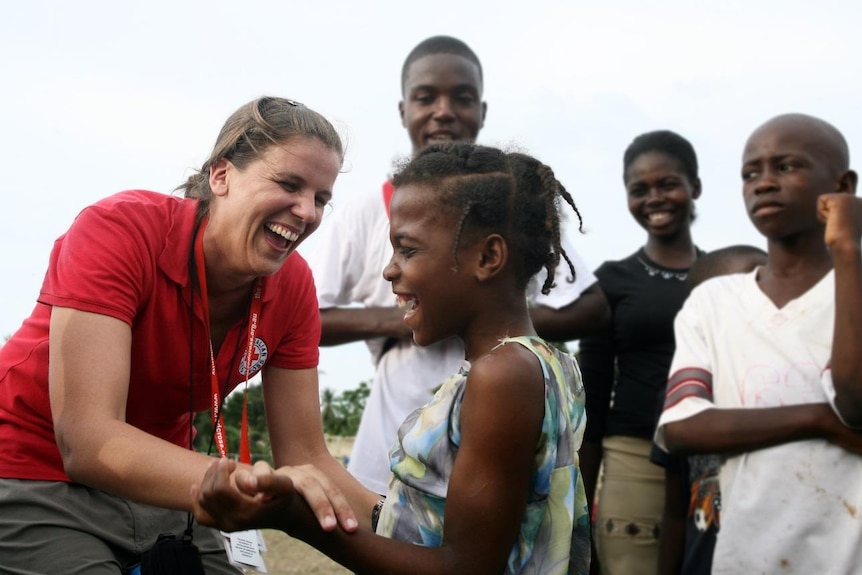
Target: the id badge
(245, 549)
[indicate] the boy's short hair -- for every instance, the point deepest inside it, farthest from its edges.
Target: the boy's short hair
(439, 45)
(831, 142)
(729, 260)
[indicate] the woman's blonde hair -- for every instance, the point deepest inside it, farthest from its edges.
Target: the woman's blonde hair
(251, 130)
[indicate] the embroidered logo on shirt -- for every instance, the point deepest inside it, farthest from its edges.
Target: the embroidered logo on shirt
(257, 360)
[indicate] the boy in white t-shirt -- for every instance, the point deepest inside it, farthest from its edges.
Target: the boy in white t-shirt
(767, 364)
(442, 85)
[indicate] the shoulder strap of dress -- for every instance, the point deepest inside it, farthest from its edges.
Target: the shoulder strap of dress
(534, 343)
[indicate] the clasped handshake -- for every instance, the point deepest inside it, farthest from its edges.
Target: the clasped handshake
(235, 497)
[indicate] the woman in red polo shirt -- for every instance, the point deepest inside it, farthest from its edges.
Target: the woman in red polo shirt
(155, 307)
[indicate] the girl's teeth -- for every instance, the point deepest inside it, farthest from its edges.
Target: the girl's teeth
(405, 303)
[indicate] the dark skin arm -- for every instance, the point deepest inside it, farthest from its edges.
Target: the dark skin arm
(487, 490)
(587, 314)
(590, 457)
(597, 361)
(743, 430)
(590, 461)
(345, 325)
(672, 542)
(842, 214)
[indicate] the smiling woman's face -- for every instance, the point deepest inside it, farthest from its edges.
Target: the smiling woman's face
(660, 194)
(261, 213)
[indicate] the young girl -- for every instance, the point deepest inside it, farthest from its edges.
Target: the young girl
(485, 477)
(631, 361)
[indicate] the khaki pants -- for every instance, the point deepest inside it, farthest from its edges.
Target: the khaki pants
(630, 507)
(56, 528)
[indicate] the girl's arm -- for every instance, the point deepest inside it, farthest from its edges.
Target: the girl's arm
(88, 388)
(671, 548)
(597, 359)
(501, 420)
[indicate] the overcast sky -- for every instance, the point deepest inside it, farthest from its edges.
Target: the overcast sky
(101, 96)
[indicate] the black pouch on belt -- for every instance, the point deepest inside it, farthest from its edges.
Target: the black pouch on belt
(171, 555)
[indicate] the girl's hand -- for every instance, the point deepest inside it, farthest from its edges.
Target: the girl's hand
(325, 500)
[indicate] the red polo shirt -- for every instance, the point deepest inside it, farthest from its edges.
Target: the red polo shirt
(127, 257)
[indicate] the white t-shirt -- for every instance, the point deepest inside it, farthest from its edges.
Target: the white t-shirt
(797, 507)
(347, 263)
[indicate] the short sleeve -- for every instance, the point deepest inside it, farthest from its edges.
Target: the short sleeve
(297, 308)
(689, 387)
(102, 264)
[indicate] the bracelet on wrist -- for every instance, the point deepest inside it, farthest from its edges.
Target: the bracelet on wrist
(375, 514)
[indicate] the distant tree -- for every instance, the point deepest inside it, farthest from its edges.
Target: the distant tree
(340, 415)
(258, 436)
(328, 408)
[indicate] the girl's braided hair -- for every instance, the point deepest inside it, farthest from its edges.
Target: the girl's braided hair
(492, 191)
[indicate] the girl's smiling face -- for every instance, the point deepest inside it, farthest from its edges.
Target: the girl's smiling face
(660, 194)
(426, 277)
(261, 213)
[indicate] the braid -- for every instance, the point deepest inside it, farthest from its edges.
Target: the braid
(552, 222)
(488, 191)
(459, 230)
(553, 190)
(564, 193)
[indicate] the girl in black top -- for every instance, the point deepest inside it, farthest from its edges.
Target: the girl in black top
(626, 368)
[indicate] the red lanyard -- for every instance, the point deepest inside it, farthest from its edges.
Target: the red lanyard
(253, 319)
(388, 190)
